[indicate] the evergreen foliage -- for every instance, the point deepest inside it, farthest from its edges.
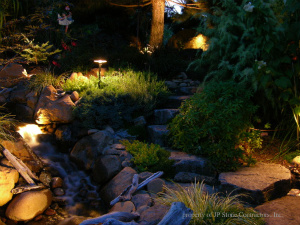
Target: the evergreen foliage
(37, 53)
(213, 123)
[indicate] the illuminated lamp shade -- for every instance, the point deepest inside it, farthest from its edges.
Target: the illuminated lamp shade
(100, 62)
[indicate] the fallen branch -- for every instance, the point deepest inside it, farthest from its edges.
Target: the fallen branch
(179, 213)
(20, 167)
(117, 222)
(121, 216)
(127, 193)
(22, 189)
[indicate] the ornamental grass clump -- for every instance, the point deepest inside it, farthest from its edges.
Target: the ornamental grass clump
(43, 79)
(7, 124)
(211, 209)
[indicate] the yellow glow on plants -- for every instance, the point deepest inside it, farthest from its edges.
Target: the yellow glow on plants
(198, 42)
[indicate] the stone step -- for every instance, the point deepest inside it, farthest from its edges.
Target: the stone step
(261, 183)
(185, 162)
(174, 101)
(158, 134)
(280, 211)
(163, 116)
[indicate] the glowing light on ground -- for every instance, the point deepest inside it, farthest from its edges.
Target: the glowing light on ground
(29, 133)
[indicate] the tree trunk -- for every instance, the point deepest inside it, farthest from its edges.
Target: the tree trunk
(157, 23)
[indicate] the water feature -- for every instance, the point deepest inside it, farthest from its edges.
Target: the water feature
(81, 195)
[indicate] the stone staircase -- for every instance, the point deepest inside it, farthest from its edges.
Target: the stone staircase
(182, 89)
(265, 184)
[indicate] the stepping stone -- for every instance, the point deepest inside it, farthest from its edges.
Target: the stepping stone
(192, 164)
(174, 102)
(158, 133)
(262, 182)
(281, 211)
(187, 177)
(163, 116)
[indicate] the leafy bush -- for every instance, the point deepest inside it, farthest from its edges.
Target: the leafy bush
(123, 96)
(213, 123)
(39, 81)
(149, 157)
(211, 209)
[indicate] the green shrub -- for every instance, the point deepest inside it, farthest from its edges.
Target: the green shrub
(213, 123)
(39, 81)
(149, 157)
(211, 209)
(123, 96)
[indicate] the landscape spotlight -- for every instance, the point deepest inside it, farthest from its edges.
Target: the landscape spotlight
(100, 62)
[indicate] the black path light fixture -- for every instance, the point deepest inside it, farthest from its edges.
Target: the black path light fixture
(100, 62)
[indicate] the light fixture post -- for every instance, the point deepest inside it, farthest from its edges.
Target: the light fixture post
(100, 62)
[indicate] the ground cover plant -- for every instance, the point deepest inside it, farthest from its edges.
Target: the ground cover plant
(215, 123)
(149, 157)
(211, 209)
(122, 96)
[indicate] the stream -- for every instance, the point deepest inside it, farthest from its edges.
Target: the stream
(81, 197)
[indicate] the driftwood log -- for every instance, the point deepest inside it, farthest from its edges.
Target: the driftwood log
(21, 168)
(179, 213)
(127, 193)
(25, 172)
(117, 222)
(21, 189)
(121, 216)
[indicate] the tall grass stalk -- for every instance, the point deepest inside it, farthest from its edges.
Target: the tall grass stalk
(6, 124)
(44, 79)
(211, 209)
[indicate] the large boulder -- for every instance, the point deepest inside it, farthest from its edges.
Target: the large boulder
(53, 109)
(11, 74)
(86, 150)
(28, 205)
(117, 184)
(106, 167)
(281, 211)
(8, 178)
(262, 182)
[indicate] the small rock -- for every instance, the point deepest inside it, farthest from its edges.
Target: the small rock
(141, 200)
(127, 206)
(50, 212)
(45, 178)
(56, 182)
(38, 218)
(296, 160)
(155, 186)
(74, 220)
(58, 191)
(183, 85)
(126, 163)
(140, 121)
(294, 192)
(74, 96)
(154, 215)
(144, 175)
(118, 146)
